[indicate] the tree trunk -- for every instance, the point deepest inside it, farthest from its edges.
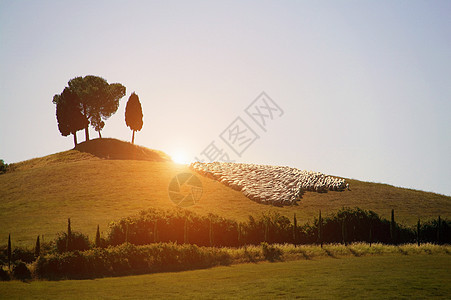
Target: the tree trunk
(87, 132)
(133, 137)
(75, 138)
(100, 135)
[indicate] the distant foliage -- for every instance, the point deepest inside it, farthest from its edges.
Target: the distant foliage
(3, 166)
(128, 259)
(78, 241)
(4, 275)
(21, 271)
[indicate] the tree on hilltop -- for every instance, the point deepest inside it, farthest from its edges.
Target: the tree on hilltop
(87, 100)
(68, 113)
(134, 115)
(98, 99)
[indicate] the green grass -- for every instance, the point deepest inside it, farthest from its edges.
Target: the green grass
(375, 277)
(39, 196)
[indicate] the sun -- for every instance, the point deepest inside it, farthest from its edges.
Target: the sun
(180, 157)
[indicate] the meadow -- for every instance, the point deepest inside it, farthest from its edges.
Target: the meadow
(40, 194)
(368, 277)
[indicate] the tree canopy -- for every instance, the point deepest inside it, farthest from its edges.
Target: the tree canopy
(134, 115)
(68, 113)
(99, 100)
(87, 100)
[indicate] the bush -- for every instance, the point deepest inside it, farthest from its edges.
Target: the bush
(3, 167)
(21, 271)
(4, 276)
(128, 259)
(78, 241)
(270, 252)
(22, 254)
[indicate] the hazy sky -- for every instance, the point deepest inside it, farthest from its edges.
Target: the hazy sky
(365, 86)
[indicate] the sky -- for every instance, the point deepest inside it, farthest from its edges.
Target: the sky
(363, 87)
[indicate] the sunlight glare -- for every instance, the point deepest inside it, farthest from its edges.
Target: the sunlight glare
(180, 157)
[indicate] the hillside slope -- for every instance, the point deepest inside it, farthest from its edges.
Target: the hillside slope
(39, 196)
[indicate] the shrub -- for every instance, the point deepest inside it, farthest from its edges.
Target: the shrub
(3, 166)
(78, 241)
(22, 254)
(128, 259)
(21, 271)
(271, 252)
(4, 276)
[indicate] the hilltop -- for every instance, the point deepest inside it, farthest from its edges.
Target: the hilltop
(38, 195)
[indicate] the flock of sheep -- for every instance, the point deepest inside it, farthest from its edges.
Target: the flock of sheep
(269, 184)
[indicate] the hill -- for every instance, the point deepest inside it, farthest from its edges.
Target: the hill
(39, 195)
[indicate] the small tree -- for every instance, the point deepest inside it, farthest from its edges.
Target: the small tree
(418, 232)
(69, 236)
(343, 230)
(9, 251)
(134, 115)
(320, 229)
(98, 244)
(438, 230)
(393, 227)
(37, 248)
(295, 228)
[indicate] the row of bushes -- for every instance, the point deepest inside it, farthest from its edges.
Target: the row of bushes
(128, 259)
(345, 226)
(185, 227)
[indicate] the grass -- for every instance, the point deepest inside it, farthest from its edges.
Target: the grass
(39, 196)
(378, 277)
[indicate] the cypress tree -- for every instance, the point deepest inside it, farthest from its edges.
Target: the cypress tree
(266, 230)
(418, 232)
(185, 234)
(37, 248)
(155, 231)
(210, 234)
(343, 230)
(320, 229)
(393, 227)
(438, 229)
(295, 228)
(98, 236)
(9, 251)
(126, 233)
(239, 234)
(69, 236)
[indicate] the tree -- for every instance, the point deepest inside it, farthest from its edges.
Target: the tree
(98, 237)
(98, 99)
(9, 251)
(68, 113)
(393, 227)
(37, 248)
(134, 115)
(320, 229)
(69, 236)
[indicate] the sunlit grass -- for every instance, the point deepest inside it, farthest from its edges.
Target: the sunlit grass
(367, 277)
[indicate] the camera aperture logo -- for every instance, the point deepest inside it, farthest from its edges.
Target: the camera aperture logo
(185, 189)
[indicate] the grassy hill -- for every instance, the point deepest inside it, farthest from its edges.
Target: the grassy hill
(38, 195)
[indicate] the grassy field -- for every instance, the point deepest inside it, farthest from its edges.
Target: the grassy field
(39, 196)
(371, 277)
